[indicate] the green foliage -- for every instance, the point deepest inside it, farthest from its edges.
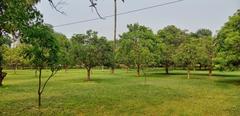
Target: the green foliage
(43, 48)
(229, 43)
(89, 50)
(65, 48)
(187, 53)
(169, 39)
(14, 56)
(136, 46)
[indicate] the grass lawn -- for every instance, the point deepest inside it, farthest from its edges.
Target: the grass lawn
(123, 94)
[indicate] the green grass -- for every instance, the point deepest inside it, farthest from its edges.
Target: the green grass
(123, 94)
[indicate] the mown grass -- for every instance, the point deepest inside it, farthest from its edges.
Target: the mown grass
(123, 94)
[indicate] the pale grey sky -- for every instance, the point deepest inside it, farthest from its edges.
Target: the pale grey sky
(189, 14)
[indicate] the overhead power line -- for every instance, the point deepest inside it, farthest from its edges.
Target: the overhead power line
(123, 13)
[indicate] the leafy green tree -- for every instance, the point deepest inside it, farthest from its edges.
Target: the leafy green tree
(65, 48)
(200, 33)
(170, 38)
(206, 48)
(187, 54)
(43, 51)
(14, 58)
(89, 50)
(137, 45)
(15, 17)
(228, 40)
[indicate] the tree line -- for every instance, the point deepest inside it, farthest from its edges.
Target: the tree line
(171, 47)
(140, 47)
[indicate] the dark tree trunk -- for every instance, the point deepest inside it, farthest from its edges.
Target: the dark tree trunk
(39, 87)
(210, 72)
(65, 68)
(200, 66)
(112, 70)
(88, 74)
(167, 69)
(138, 70)
(2, 75)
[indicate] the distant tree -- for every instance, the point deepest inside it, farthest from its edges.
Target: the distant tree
(200, 33)
(206, 48)
(228, 40)
(170, 38)
(65, 48)
(14, 57)
(89, 50)
(106, 54)
(43, 50)
(187, 54)
(137, 45)
(122, 54)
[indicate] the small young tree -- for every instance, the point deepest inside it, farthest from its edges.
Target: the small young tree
(186, 54)
(43, 51)
(137, 44)
(170, 38)
(88, 51)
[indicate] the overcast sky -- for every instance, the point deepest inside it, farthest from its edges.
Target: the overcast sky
(188, 14)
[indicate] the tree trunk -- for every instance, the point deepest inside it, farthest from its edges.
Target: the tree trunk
(188, 71)
(39, 87)
(200, 66)
(2, 75)
(102, 68)
(88, 74)
(138, 70)
(36, 72)
(65, 68)
(112, 70)
(15, 69)
(127, 70)
(210, 67)
(166, 69)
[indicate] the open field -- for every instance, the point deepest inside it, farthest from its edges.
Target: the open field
(123, 94)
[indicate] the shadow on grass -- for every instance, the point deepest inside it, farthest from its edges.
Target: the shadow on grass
(193, 74)
(228, 81)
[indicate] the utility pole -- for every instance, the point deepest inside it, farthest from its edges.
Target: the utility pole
(114, 35)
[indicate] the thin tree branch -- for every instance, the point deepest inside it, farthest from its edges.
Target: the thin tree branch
(93, 5)
(55, 6)
(52, 74)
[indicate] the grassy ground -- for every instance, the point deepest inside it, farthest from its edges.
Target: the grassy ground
(123, 94)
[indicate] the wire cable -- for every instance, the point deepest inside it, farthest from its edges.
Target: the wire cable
(123, 13)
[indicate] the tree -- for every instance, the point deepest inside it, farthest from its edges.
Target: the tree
(15, 17)
(43, 51)
(65, 47)
(14, 58)
(206, 48)
(137, 44)
(88, 50)
(187, 54)
(228, 41)
(170, 38)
